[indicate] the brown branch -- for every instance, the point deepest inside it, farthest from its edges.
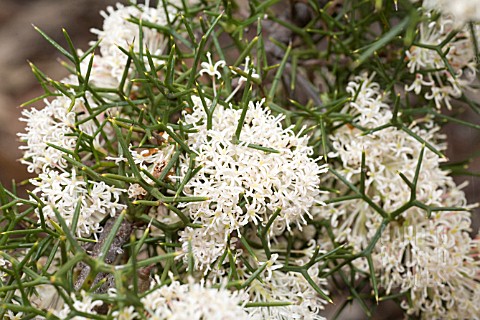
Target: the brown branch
(85, 276)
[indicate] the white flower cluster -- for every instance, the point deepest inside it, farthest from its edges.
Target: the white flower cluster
(53, 124)
(244, 184)
(58, 185)
(205, 246)
(65, 191)
(448, 77)
(119, 32)
(279, 286)
(56, 123)
(193, 301)
(462, 11)
(430, 258)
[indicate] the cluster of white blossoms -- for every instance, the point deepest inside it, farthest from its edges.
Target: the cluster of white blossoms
(243, 183)
(54, 124)
(431, 258)
(66, 191)
(109, 67)
(193, 301)
(292, 287)
(462, 11)
(177, 301)
(57, 184)
(447, 77)
(205, 246)
(189, 301)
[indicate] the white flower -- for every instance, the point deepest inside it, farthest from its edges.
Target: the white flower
(64, 191)
(117, 31)
(210, 68)
(10, 315)
(285, 180)
(104, 72)
(85, 304)
(271, 266)
(247, 70)
(117, 159)
(429, 258)
(205, 246)
(193, 301)
(416, 86)
(136, 191)
(243, 79)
